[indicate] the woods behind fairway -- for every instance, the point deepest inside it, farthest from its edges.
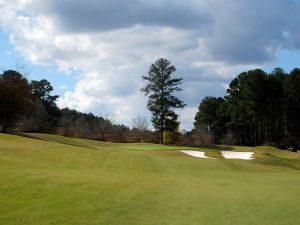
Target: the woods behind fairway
(58, 180)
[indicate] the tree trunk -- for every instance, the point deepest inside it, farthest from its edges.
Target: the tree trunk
(238, 125)
(4, 126)
(162, 136)
(162, 129)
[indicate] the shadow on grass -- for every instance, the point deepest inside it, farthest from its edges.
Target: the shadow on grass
(272, 160)
(27, 136)
(55, 141)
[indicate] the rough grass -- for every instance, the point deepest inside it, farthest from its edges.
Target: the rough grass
(65, 181)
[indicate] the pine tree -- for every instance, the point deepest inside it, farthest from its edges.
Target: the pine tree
(161, 101)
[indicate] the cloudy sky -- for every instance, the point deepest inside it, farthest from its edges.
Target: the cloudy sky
(94, 52)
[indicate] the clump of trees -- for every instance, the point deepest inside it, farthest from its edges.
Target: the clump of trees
(259, 108)
(171, 137)
(161, 101)
(44, 114)
(212, 115)
(15, 97)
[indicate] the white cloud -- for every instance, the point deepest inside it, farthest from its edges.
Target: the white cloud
(15, 4)
(63, 87)
(186, 116)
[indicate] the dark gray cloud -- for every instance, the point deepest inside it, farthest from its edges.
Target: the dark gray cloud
(248, 32)
(238, 32)
(103, 15)
(194, 92)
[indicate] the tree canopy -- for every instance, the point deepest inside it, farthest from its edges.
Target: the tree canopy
(15, 97)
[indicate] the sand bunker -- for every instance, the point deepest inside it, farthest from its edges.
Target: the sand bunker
(237, 155)
(196, 154)
(226, 154)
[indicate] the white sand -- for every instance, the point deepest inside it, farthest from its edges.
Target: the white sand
(237, 155)
(196, 154)
(226, 154)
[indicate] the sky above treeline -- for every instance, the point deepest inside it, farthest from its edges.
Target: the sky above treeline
(94, 52)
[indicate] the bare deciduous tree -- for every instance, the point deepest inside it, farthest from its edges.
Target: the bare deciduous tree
(140, 126)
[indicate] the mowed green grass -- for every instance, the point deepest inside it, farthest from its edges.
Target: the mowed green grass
(58, 180)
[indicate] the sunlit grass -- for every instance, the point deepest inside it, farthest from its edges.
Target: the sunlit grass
(61, 180)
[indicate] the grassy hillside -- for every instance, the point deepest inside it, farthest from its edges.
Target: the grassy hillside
(59, 180)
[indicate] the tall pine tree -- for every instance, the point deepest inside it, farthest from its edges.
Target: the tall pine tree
(161, 101)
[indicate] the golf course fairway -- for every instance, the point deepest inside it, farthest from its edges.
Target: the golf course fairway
(49, 179)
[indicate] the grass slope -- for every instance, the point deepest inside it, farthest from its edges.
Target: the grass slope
(58, 180)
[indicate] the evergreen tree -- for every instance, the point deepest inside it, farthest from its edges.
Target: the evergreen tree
(211, 113)
(42, 89)
(292, 94)
(41, 92)
(276, 106)
(161, 101)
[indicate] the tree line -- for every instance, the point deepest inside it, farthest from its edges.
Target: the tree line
(31, 107)
(259, 108)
